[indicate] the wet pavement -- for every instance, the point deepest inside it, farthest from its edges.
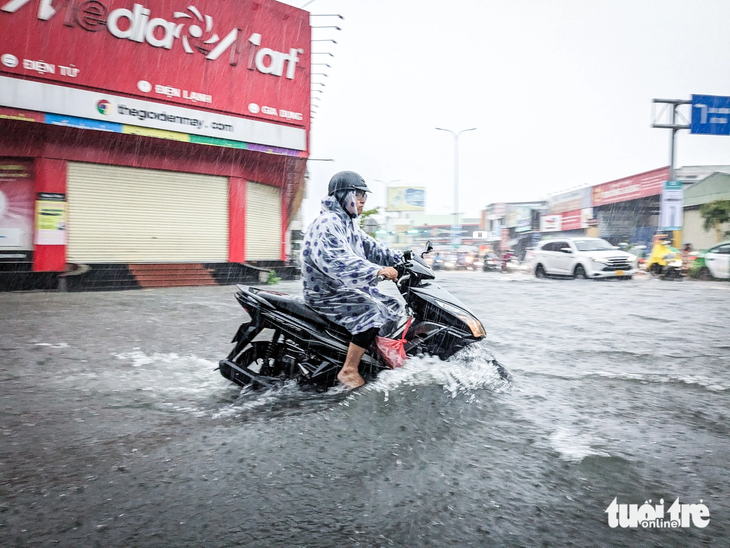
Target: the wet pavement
(117, 431)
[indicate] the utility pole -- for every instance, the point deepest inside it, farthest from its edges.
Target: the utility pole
(670, 108)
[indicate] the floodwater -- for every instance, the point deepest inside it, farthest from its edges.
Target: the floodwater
(117, 431)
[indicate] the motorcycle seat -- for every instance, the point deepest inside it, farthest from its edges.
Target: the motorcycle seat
(296, 307)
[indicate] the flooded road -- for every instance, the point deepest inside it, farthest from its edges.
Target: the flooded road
(117, 431)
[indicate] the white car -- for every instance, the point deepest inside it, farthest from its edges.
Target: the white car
(580, 257)
(717, 260)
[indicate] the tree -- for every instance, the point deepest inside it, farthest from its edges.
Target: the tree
(715, 214)
(368, 213)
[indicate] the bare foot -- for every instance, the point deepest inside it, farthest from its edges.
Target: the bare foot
(351, 379)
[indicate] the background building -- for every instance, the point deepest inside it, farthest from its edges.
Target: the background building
(513, 225)
(711, 188)
(135, 139)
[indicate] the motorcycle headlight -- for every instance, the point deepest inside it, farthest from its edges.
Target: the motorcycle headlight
(477, 329)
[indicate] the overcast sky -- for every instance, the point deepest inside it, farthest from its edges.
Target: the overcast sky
(560, 91)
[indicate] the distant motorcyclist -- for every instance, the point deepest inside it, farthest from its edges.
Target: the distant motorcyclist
(686, 253)
(341, 265)
(507, 256)
(661, 252)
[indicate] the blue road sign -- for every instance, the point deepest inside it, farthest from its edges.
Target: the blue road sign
(710, 115)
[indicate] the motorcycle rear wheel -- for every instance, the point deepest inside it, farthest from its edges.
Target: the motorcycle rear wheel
(255, 359)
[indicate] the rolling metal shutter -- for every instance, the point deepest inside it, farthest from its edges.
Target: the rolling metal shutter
(263, 222)
(131, 215)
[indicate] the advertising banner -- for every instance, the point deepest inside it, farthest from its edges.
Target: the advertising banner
(551, 223)
(671, 210)
(630, 188)
(496, 211)
(523, 219)
(245, 58)
(113, 113)
(456, 235)
(572, 220)
(570, 201)
(406, 198)
(16, 206)
(504, 240)
(50, 219)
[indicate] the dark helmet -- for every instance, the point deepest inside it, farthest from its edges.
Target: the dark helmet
(346, 180)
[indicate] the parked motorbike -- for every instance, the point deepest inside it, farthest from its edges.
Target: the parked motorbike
(310, 349)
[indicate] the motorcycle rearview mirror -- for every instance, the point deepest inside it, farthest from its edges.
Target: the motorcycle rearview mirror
(429, 248)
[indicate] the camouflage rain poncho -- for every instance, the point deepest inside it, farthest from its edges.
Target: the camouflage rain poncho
(340, 269)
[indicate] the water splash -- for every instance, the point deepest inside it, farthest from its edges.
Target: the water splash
(140, 359)
(59, 345)
(468, 371)
(573, 446)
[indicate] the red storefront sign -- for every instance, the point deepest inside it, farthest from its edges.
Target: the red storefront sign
(630, 188)
(245, 58)
(571, 220)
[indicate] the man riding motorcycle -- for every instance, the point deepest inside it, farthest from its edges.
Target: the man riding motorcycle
(341, 265)
(664, 260)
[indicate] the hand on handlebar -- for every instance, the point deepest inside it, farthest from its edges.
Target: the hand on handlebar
(388, 273)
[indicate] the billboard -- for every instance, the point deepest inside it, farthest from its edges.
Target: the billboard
(570, 201)
(572, 220)
(630, 188)
(244, 58)
(568, 220)
(406, 198)
(496, 211)
(523, 219)
(670, 208)
(551, 223)
(113, 113)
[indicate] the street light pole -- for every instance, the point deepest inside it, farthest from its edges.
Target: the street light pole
(457, 225)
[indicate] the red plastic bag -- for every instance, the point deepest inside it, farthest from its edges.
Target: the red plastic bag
(392, 350)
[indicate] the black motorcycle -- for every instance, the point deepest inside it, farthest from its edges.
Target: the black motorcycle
(310, 349)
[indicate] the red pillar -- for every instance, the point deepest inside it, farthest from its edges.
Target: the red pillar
(236, 220)
(50, 176)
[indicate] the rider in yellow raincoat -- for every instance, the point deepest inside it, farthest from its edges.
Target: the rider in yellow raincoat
(662, 254)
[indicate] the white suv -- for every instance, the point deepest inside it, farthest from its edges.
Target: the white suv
(583, 258)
